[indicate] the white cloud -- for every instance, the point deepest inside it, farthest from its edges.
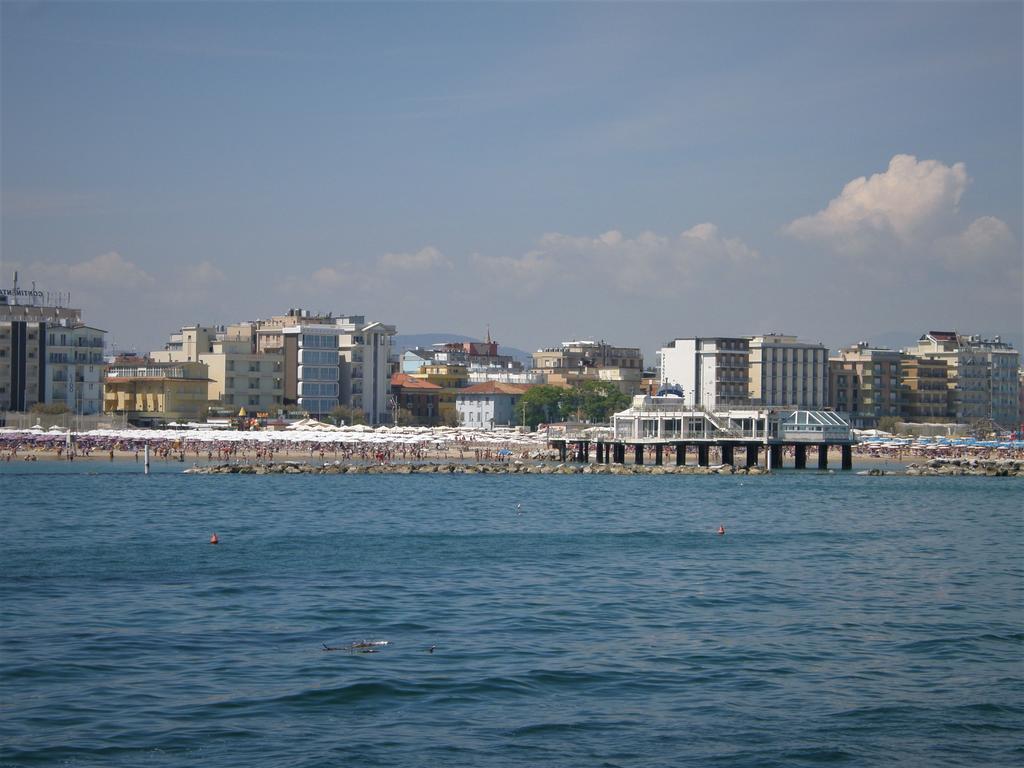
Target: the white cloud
(204, 274)
(368, 277)
(905, 224)
(106, 270)
(425, 258)
(986, 239)
(647, 263)
(908, 204)
(329, 277)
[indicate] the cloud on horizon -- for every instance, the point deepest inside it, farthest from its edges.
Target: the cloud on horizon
(910, 211)
(638, 265)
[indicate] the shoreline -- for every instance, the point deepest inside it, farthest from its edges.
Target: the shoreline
(466, 456)
(315, 458)
(952, 467)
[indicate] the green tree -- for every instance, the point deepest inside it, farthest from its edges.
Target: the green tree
(544, 404)
(346, 414)
(598, 400)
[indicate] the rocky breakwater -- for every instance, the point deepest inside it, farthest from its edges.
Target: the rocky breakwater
(499, 468)
(972, 467)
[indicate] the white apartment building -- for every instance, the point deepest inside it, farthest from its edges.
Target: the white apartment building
(74, 367)
(365, 351)
(788, 373)
(242, 377)
(48, 355)
(318, 369)
(712, 373)
(311, 362)
(982, 375)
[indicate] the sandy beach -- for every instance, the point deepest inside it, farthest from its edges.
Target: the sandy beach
(388, 445)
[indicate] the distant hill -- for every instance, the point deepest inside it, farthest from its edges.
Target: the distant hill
(404, 341)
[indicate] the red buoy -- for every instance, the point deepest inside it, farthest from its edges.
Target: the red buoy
(215, 540)
(721, 530)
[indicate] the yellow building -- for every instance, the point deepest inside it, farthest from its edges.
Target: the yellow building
(157, 392)
(451, 378)
(864, 382)
(927, 396)
(239, 374)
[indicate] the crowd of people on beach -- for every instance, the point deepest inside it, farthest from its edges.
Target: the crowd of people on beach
(30, 446)
(20, 445)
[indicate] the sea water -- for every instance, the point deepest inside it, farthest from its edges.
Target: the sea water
(530, 620)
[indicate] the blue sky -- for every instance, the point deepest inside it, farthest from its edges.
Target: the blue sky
(629, 171)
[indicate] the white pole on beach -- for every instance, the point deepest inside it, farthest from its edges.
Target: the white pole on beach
(145, 460)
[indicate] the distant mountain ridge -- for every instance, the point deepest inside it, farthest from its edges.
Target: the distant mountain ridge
(404, 341)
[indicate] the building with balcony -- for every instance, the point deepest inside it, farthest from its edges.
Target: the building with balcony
(926, 393)
(865, 383)
(313, 362)
(240, 376)
(365, 351)
(982, 375)
(479, 374)
(74, 367)
(48, 355)
(711, 373)
(156, 393)
(187, 345)
(788, 373)
(575, 362)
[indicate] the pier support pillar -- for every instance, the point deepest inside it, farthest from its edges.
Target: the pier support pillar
(751, 455)
(727, 454)
(638, 454)
(823, 456)
(776, 456)
(801, 456)
(607, 453)
(585, 451)
(563, 450)
(659, 457)
(680, 454)
(703, 455)
(847, 457)
(600, 452)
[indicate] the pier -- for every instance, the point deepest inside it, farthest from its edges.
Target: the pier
(663, 430)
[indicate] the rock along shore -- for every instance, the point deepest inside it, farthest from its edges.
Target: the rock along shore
(934, 467)
(497, 468)
(972, 467)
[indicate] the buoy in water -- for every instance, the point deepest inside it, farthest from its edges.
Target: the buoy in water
(721, 530)
(214, 539)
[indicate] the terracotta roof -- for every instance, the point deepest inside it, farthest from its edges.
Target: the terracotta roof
(494, 388)
(406, 381)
